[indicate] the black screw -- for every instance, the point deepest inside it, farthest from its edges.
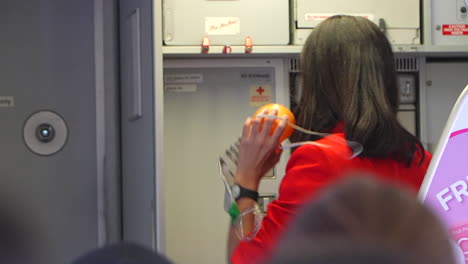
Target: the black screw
(463, 9)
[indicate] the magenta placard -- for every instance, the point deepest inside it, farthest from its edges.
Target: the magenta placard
(448, 192)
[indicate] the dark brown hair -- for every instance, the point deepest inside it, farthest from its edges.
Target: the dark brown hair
(364, 221)
(348, 76)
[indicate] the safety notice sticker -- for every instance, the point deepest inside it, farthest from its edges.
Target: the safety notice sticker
(455, 30)
(180, 88)
(183, 78)
(260, 95)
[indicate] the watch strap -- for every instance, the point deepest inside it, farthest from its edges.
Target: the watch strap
(247, 193)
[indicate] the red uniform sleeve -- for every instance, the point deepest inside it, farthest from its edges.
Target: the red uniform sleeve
(304, 176)
(310, 170)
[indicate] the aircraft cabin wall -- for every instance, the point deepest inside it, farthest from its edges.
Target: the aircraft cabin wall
(59, 145)
(115, 112)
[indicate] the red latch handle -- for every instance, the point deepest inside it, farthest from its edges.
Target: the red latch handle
(205, 45)
(227, 49)
(248, 45)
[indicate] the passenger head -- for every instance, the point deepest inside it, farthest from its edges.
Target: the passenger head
(363, 221)
(16, 245)
(122, 253)
(348, 75)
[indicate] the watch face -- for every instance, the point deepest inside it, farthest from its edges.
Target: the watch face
(235, 191)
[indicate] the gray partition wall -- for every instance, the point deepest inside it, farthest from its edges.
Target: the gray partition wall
(59, 142)
(139, 116)
(444, 84)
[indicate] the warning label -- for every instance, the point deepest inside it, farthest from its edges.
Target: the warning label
(455, 30)
(260, 95)
(7, 101)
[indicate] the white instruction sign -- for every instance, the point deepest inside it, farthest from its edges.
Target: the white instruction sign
(319, 17)
(222, 25)
(7, 101)
(180, 88)
(184, 78)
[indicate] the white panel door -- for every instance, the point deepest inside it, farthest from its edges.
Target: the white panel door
(206, 104)
(226, 22)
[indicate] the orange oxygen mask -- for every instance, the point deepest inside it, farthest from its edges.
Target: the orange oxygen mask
(355, 147)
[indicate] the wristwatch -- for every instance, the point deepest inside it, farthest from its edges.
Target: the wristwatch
(241, 192)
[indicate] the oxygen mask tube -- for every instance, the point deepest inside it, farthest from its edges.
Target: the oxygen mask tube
(356, 147)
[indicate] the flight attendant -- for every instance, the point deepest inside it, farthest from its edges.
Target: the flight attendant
(349, 89)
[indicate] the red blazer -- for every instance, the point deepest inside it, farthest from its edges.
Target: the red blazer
(309, 170)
